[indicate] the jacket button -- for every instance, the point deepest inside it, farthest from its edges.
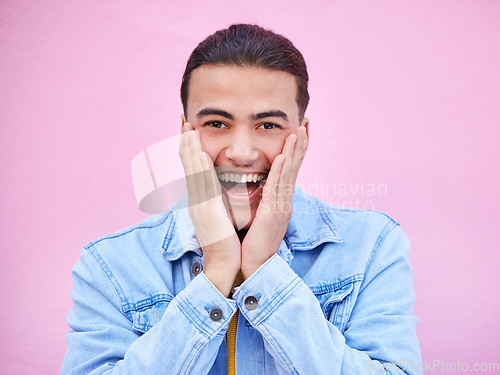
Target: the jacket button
(251, 302)
(196, 268)
(215, 314)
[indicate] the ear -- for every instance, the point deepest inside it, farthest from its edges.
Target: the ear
(183, 121)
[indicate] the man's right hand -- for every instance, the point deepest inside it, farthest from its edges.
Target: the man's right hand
(214, 230)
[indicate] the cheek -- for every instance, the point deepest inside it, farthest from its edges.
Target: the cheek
(274, 147)
(212, 146)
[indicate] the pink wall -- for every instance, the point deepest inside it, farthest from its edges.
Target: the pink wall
(405, 97)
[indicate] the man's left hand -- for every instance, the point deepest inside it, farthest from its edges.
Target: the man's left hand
(275, 209)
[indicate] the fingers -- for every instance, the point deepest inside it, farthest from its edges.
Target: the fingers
(194, 146)
(187, 127)
(211, 180)
(300, 150)
(288, 151)
(189, 151)
(185, 150)
(186, 156)
(280, 183)
(201, 179)
(269, 191)
(294, 151)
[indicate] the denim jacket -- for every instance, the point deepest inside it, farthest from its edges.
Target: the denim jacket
(337, 298)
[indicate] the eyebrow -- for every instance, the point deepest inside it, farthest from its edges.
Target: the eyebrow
(274, 113)
(256, 116)
(214, 111)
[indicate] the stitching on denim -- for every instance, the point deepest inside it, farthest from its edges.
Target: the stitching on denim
(191, 314)
(327, 288)
(144, 304)
(381, 237)
(264, 351)
(306, 245)
(339, 313)
(349, 209)
(141, 320)
(185, 306)
(129, 230)
(273, 305)
(191, 359)
(328, 220)
(388, 228)
(339, 298)
(357, 210)
(281, 352)
(170, 229)
(109, 277)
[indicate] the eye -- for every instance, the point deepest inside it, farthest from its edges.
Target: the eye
(269, 126)
(215, 124)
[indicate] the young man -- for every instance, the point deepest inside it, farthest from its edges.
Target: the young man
(255, 277)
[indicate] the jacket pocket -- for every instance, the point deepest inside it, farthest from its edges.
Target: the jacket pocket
(337, 308)
(336, 304)
(145, 319)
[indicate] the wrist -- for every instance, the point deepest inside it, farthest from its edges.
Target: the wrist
(249, 267)
(222, 278)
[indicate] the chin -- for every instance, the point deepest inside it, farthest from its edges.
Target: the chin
(241, 215)
(241, 218)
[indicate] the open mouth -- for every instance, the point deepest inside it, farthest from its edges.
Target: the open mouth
(241, 184)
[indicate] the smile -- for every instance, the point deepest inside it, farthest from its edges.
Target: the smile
(241, 178)
(242, 186)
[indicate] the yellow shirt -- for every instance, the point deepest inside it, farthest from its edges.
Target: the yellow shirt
(231, 334)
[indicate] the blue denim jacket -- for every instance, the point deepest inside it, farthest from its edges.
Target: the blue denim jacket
(336, 299)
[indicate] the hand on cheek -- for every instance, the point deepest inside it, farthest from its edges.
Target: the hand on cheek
(275, 209)
(214, 230)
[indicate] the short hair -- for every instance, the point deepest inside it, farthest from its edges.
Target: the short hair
(248, 45)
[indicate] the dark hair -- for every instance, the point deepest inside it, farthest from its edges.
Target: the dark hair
(254, 46)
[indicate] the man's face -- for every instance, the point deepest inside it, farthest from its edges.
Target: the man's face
(243, 116)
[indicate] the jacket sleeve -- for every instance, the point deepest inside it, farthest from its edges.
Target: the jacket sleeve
(380, 333)
(102, 339)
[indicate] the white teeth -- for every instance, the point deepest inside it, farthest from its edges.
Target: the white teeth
(241, 178)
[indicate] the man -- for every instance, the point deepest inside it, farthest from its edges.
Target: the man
(255, 277)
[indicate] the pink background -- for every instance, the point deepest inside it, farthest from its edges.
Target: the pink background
(405, 94)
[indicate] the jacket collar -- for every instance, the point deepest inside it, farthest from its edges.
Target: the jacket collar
(310, 226)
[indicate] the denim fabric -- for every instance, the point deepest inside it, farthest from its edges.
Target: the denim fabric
(336, 299)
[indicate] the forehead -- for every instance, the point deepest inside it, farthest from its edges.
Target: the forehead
(242, 90)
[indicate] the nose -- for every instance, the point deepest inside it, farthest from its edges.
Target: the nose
(242, 148)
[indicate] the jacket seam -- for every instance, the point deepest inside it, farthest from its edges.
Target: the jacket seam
(170, 230)
(144, 304)
(328, 220)
(109, 277)
(189, 313)
(130, 230)
(190, 362)
(317, 290)
(275, 303)
(380, 239)
(286, 361)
